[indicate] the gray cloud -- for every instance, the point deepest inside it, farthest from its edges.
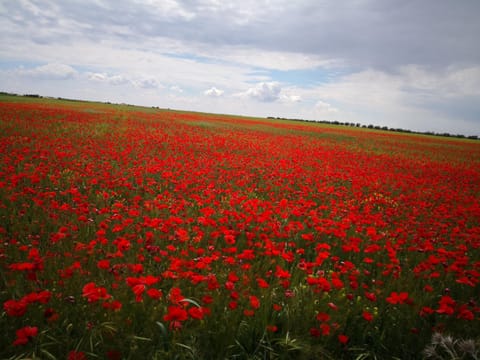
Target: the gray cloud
(365, 33)
(146, 83)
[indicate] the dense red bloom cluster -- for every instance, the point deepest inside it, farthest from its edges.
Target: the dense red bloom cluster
(94, 293)
(398, 298)
(142, 217)
(25, 334)
(19, 307)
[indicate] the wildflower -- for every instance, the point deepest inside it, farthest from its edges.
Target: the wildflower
(371, 296)
(248, 312)
(446, 305)
(232, 305)
(277, 307)
(94, 293)
(367, 316)
(176, 313)
(254, 302)
(114, 355)
(397, 298)
(323, 317)
(15, 308)
(343, 339)
(272, 328)
(51, 315)
(262, 283)
(154, 294)
(103, 264)
(196, 313)
(76, 355)
(25, 334)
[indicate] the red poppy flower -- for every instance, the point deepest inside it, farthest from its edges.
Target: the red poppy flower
(15, 308)
(175, 295)
(196, 313)
(367, 316)
(262, 283)
(154, 294)
(94, 293)
(76, 355)
(25, 334)
(323, 317)
(254, 302)
(325, 329)
(397, 298)
(176, 313)
(446, 305)
(343, 339)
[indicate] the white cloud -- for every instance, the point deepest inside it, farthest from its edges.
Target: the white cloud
(111, 79)
(412, 98)
(176, 89)
(112, 56)
(118, 80)
(50, 71)
(290, 98)
(411, 86)
(97, 77)
(268, 59)
(213, 92)
(452, 82)
(323, 108)
(270, 92)
(146, 83)
(264, 91)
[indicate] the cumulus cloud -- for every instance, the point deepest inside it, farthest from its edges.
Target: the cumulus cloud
(290, 98)
(51, 71)
(97, 77)
(264, 91)
(139, 82)
(118, 80)
(411, 86)
(325, 109)
(146, 83)
(111, 79)
(213, 92)
(413, 98)
(269, 92)
(176, 89)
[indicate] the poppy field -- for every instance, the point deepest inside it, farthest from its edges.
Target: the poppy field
(140, 233)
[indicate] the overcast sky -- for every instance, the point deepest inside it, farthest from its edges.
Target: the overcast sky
(396, 63)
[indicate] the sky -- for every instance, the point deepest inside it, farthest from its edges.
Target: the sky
(396, 63)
